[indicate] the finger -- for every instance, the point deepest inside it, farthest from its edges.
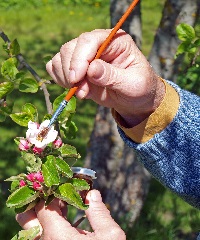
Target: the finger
(84, 52)
(28, 220)
(99, 216)
(66, 52)
(53, 222)
(54, 68)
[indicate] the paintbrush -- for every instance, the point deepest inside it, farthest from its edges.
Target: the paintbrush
(42, 134)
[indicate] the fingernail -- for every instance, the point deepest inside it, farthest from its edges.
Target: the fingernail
(81, 94)
(99, 71)
(95, 196)
(72, 76)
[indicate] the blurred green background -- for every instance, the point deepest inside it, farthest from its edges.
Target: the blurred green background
(41, 27)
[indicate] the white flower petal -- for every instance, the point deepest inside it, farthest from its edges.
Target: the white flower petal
(32, 125)
(40, 144)
(32, 134)
(51, 136)
(44, 124)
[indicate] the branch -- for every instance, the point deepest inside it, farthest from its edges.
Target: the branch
(23, 63)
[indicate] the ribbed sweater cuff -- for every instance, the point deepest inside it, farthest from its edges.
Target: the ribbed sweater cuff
(157, 121)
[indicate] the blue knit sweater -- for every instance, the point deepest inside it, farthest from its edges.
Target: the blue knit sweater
(173, 155)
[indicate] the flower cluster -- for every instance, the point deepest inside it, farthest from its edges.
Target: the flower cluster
(34, 180)
(32, 143)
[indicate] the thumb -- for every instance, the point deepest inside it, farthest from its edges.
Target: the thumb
(99, 216)
(104, 74)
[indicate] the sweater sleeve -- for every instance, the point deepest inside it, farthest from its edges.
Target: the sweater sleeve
(172, 155)
(157, 121)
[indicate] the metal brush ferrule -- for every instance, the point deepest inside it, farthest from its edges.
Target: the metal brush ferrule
(58, 112)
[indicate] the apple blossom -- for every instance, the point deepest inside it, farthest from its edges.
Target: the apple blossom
(57, 143)
(31, 177)
(37, 185)
(23, 144)
(39, 177)
(22, 183)
(33, 131)
(35, 176)
(38, 150)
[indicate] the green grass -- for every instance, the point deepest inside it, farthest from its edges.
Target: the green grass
(41, 32)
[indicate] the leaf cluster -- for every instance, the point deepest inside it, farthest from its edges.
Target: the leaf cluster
(190, 49)
(58, 181)
(53, 163)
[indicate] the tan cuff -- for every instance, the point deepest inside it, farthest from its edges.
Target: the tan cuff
(157, 121)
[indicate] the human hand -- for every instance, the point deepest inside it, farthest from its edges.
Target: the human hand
(122, 79)
(54, 225)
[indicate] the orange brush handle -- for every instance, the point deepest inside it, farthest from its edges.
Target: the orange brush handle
(107, 41)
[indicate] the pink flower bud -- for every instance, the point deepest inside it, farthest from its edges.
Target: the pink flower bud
(31, 177)
(37, 186)
(37, 150)
(58, 143)
(23, 145)
(22, 183)
(39, 177)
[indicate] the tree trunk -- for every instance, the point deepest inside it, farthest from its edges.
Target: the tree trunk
(162, 56)
(121, 179)
(133, 23)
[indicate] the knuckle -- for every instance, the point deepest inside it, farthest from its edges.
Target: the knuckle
(67, 47)
(85, 38)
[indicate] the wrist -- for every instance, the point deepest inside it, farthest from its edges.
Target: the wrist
(136, 117)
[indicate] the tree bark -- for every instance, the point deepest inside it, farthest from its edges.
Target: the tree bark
(121, 179)
(133, 23)
(162, 55)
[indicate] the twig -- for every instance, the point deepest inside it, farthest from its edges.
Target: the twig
(33, 73)
(79, 221)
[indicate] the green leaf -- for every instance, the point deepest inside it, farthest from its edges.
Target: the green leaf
(185, 32)
(29, 234)
(183, 48)
(15, 178)
(69, 109)
(9, 69)
(32, 163)
(27, 206)
(63, 167)
(21, 197)
(79, 184)
(67, 193)
(31, 109)
(6, 88)
(70, 131)
(197, 43)
(14, 185)
(47, 117)
(20, 75)
(5, 47)
(49, 171)
(68, 151)
(28, 85)
(14, 48)
(22, 118)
